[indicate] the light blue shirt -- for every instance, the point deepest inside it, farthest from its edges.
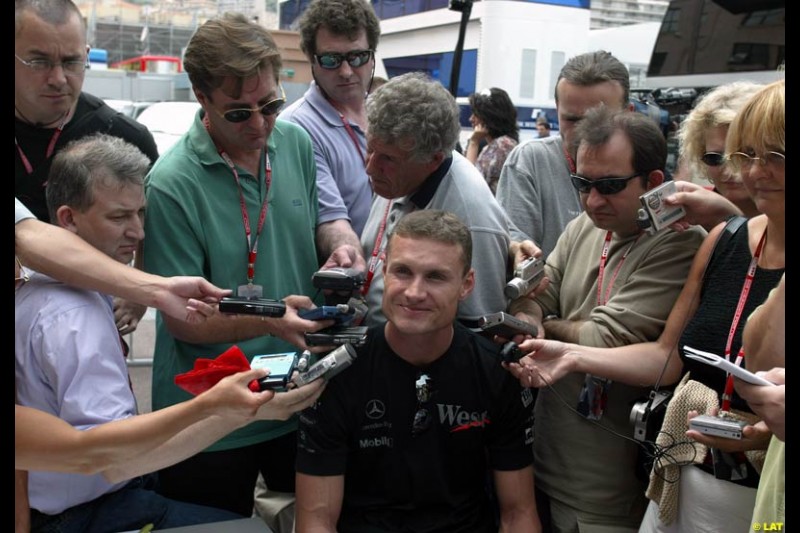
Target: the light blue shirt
(69, 363)
(21, 212)
(343, 186)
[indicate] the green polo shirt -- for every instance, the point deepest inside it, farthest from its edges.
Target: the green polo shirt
(194, 227)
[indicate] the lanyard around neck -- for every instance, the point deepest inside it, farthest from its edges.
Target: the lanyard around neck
(252, 247)
(353, 137)
(603, 299)
(51, 146)
(376, 251)
(737, 315)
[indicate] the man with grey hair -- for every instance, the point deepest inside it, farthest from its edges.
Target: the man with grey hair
(339, 37)
(412, 131)
(68, 351)
(534, 187)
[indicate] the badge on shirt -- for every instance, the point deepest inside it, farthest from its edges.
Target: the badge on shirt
(593, 397)
(250, 291)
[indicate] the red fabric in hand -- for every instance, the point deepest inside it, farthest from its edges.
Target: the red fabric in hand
(207, 372)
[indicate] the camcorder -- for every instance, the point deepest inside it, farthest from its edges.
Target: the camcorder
(647, 416)
(527, 275)
(327, 367)
(337, 335)
(252, 306)
(718, 426)
(654, 215)
(338, 279)
(505, 325)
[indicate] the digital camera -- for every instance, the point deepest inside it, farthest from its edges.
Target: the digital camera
(328, 366)
(527, 275)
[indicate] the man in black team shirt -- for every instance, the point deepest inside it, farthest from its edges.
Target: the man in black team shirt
(404, 438)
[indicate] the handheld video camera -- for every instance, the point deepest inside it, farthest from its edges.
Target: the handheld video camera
(655, 214)
(527, 275)
(328, 366)
(338, 279)
(252, 306)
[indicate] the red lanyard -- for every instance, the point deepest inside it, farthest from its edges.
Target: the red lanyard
(353, 137)
(748, 282)
(570, 161)
(601, 300)
(252, 249)
(50, 147)
(376, 251)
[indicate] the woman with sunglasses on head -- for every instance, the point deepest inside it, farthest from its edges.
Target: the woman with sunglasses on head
(730, 276)
(494, 122)
(702, 141)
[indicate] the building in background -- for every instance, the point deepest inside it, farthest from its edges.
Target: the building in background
(614, 13)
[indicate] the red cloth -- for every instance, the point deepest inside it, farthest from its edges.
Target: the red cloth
(207, 372)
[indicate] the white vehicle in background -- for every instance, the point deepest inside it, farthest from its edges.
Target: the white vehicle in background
(167, 121)
(128, 107)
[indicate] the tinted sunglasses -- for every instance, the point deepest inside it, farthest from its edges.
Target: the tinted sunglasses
(713, 159)
(333, 60)
(268, 109)
(611, 185)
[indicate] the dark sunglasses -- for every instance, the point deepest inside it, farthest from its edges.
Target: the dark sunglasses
(611, 185)
(333, 60)
(713, 159)
(268, 109)
(422, 418)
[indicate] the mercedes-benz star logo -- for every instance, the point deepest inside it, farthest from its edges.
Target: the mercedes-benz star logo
(375, 409)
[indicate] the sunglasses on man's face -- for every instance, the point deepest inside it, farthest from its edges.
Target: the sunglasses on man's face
(268, 109)
(333, 60)
(713, 159)
(610, 185)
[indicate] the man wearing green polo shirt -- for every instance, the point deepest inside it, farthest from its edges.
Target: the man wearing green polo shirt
(235, 201)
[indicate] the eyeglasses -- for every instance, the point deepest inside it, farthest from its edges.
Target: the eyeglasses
(742, 161)
(22, 278)
(423, 417)
(70, 68)
(610, 185)
(354, 58)
(713, 159)
(243, 114)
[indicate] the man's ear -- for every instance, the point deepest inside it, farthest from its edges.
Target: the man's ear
(467, 285)
(65, 216)
(198, 94)
(654, 179)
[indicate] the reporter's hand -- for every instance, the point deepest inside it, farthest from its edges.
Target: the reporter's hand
(285, 404)
(545, 362)
(346, 256)
(189, 298)
(231, 397)
(704, 207)
(767, 402)
(292, 328)
(127, 315)
(755, 437)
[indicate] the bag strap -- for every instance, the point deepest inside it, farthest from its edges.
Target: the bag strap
(731, 227)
